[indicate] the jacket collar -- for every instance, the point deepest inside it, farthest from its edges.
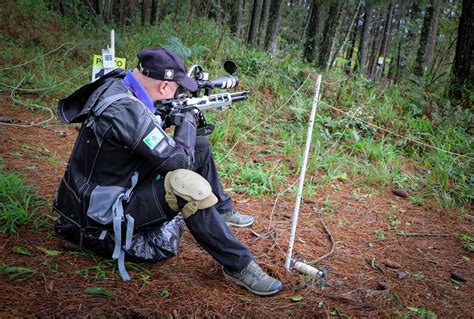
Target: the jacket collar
(132, 82)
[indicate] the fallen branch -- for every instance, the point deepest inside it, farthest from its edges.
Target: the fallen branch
(263, 235)
(333, 246)
(34, 123)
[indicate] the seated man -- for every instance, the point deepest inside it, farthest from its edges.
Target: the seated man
(126, 175)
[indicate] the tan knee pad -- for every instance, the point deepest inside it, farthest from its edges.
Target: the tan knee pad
(191, 187)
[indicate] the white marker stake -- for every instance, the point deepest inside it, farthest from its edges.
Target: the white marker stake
(112, 41)
(294, 221)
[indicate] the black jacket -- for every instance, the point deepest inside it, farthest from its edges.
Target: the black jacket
(119, 153)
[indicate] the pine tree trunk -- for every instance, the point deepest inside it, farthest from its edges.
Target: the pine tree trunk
(236, 18)
(399, 57)
(376, 41)
(164, 9)
(131, 13)
(364, 40)
(177, 7)
(107, 10)
(352, 41)
(271, 39)
(273, 44)
(262, 29)
(420, 63)
(347, 35)
(394, 62)
(312, 32)
(329, 33)
(146, 11)
(153, 13)
(95, 6)
(122, 11)
(379, 68)
(63, 7)
(226, 11)
(214, 11)
(413, 15)
(433, 33)
(254, 21)
(463, 64)
(217, 8)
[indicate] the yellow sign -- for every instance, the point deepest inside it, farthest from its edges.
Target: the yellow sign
(119, 62)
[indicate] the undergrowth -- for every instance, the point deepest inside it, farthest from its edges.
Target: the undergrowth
(18, 203)
(354, 146)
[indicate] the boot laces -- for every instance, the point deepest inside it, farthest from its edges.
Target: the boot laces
(255, 271)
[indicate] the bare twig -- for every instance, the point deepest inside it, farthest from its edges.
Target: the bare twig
(469, 156)
(47, 53)
(43, 88)
(34, 123)
(425, 234)
(263, 235)
(264, 120)
(333, 246)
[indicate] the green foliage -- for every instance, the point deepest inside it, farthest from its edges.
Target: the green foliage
(175, 44)
(418, 276)
(328, 208)
(18, 203)
(467, 241)
(99, 291)
(105, 268)
(164, 293)
(423, 313)
(254, 179)
(380, 234)
(15, 273)
(21, 250)
(48, 252)
(297, 298)
(392, 218)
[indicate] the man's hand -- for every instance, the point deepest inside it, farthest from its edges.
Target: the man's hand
(176, 117)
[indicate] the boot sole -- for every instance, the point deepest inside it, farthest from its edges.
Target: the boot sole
(241, 225)
(259, 293)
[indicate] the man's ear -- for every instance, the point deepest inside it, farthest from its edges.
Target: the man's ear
(162, 86)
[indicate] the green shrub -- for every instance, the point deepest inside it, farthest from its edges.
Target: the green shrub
(18, 204)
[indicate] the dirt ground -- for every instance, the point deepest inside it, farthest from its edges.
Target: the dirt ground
(374, 272)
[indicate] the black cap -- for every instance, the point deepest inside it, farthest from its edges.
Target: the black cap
(164, 64)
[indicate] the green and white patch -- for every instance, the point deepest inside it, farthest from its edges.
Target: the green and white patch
(154, 138)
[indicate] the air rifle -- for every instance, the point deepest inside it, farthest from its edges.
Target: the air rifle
(173, 109)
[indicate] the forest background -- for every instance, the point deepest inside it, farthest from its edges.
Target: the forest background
(397, 95)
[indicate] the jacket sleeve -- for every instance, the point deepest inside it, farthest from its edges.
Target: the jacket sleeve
(136, 128)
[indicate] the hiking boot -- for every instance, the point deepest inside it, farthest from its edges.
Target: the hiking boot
(254, 279)
(234, 218)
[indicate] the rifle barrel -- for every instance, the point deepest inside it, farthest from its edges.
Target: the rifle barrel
(239, 96)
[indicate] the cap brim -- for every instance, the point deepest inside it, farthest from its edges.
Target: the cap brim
(189, 83)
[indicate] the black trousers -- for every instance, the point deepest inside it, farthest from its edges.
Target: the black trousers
(205, 166)
(206, 225)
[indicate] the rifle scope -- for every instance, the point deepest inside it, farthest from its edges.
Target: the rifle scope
(222, 82)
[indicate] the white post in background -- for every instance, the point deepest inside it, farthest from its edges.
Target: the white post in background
(108, 55)
(294, 222)
(112, 41)
(107, 61)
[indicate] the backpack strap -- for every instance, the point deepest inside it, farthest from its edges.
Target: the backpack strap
(119, 251)
(100, 107)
